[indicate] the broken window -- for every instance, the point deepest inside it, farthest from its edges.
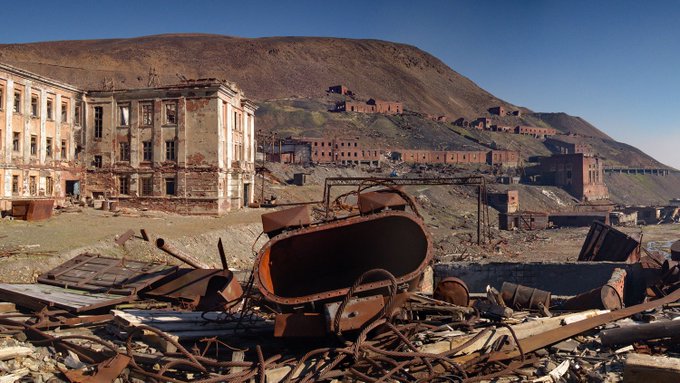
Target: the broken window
(147, 150)
(124, 151)
(34, 145)
(49, 186)
(124, 185)
(170, 186)
(48, 146)
(17, 102)
(50, 109)
(76, 115)
(63, 149)
(34, 105)
(124, 115)
(64, 111)
(98, 161)
(2, 98)
(147, 114)
(98, 121)
(170, 152)
(15, 184)
(32, 185)
(171, 113)
(16, 139)
(147, 186)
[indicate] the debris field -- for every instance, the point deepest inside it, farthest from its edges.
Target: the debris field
(342, 291)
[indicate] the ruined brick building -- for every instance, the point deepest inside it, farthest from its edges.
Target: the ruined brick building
(342, 151)
(39, 131)
(579, 174)
(371, 106)
(187, 148)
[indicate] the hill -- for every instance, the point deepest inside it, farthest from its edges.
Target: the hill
(265, 68)
(288, 77)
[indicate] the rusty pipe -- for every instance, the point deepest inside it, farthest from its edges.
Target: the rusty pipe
(179, 254)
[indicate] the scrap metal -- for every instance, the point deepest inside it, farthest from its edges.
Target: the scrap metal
(605, 243)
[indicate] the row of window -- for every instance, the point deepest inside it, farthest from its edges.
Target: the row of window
(349, 144)
(16, 145)
(35, 106)
(349, 154)
(146, 186)
(147, 152)
(146, 113)
(32, 185)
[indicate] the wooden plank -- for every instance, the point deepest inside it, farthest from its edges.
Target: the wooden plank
(522, 330)
(37, 296)
(13, 352)
(15, 376)
(96, 273)
(641, 368)
(7, 307)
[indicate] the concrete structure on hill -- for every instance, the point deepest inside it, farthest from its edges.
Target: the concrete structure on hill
(491, 157)
(580, 175)
(370, 106)
(40, 125)
(535, 131)
(505, 202)
(187, 148)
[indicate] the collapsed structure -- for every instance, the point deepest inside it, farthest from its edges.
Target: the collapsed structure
(187, 148)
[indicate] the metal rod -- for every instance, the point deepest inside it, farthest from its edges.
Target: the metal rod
(223, 256)
(179, 254)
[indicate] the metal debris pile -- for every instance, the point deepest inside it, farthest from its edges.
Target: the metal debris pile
(346, 299)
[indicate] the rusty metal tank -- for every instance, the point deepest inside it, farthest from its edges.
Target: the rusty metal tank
(321, 262)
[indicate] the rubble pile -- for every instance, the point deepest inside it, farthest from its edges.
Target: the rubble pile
(346, 299)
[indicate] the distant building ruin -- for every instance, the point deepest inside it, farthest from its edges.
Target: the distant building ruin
(579, 174)
(371, 106)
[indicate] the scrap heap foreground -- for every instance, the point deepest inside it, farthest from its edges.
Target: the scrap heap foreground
(346, 290)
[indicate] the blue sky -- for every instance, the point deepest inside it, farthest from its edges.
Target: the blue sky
(614, 63)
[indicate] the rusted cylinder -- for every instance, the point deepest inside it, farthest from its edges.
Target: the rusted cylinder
(675, 251)
(113, 206)
(452, 290)
(609, 297)
(637, 333)
(520, 297)
(670, 272)
(179, 254)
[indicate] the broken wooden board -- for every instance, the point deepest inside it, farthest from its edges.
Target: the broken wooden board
(92, 272)
(522, 330)
(641, 368)
(8, 353)
(185, 326)
(38, 296)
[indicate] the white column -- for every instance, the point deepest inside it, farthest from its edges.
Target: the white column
(43, 119)
(251, 144)
(56, 140)
(26, 112)
(230, 140)
(220, 134)
(8, 124)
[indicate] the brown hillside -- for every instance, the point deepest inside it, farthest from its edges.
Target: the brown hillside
(265, 68)
(570, 124)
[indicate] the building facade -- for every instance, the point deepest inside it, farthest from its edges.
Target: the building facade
(343, 151)
(581, 175)
(39, 131)
(187, 148)
(371, 106)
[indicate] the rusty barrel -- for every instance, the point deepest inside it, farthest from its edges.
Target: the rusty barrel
(321, 262)
(520, 297)
(610, 296)
(452, 290)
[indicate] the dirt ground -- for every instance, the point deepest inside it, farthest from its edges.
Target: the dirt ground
(450, 213)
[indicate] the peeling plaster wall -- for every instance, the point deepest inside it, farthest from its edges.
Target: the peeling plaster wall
(33, 168)
(212, 162)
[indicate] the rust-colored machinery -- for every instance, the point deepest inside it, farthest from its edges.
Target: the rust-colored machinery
(341, 274)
